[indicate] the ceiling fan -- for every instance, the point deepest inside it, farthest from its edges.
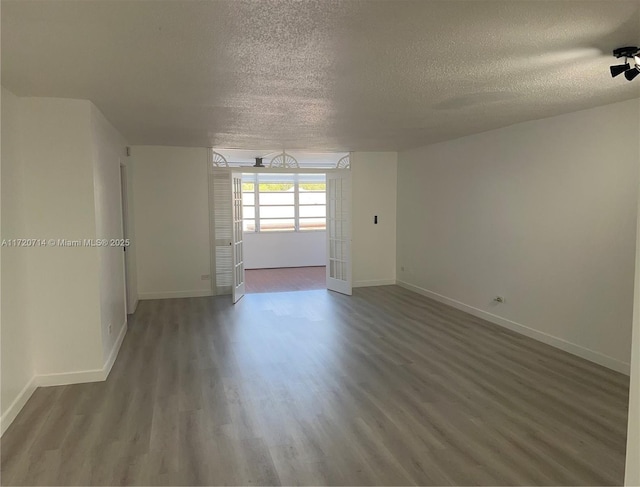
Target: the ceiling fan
(630, 52)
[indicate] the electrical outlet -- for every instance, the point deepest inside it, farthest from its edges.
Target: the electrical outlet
(205, 277)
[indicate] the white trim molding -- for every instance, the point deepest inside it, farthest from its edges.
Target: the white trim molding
(16, 406)
(111, 359)
(374, 282)
(82, 376)
(62, 379)
(585, 353)
(134, 306)
(66, 378)
(176, 294)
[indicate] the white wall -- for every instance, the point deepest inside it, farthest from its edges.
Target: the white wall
(63, 283)
(284, 249)
(60, 181)
(542, 213)
(16, 360)
(108, 152)
(374, 190)
(632, 473)
(172, 221)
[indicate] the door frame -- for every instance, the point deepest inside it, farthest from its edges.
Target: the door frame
(339, 246)
(130, 300)
(265, 170)
(237, 237)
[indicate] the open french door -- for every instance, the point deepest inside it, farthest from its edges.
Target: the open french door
(237, 238)
(339, 232)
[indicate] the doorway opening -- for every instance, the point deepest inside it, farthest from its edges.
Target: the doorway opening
(284, 225)
(285, 279)
(287, 227)
(124, 195)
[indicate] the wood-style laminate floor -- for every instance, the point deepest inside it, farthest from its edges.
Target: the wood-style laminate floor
(310, 388)
(285, 279)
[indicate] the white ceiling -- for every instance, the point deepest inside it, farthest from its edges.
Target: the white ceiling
(318, 75)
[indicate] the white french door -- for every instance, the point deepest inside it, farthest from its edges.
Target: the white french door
(221, 229)
(339, 232)
(237, 244)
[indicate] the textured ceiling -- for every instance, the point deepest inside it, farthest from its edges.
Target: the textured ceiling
(319, 75)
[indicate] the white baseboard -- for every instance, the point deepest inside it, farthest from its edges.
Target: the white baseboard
(106, 368)
(585, 353)
(283, 266)
(17, 405)
(176, 294)
(82, 376)
(66, 378)
(62, 379)
(374, 282)
(132, 309)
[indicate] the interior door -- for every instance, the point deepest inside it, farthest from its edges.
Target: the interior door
(339, 232)
(221, 229)
(236, 243)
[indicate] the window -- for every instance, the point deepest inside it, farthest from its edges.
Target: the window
(312, 202)
(284, 202)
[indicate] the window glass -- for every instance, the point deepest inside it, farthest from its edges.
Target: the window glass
(277, 198)
(312, 224)
(277, 211)
(248, 212)
(316, 210)
(274, 197)
(312, 198)
(248, 225)
(279, 225)
(248, 199)
(313, 186)
(275, 187)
